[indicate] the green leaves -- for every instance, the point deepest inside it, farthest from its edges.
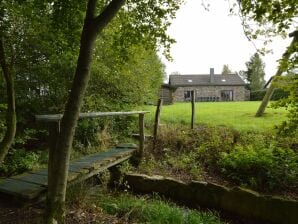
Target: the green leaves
(226, 70)
(146, 22)
(261, 168)
(255, 73)
(264, 19)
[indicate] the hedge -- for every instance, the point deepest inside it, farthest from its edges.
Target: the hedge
(259, 95)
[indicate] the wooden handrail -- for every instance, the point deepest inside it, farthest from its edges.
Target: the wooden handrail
(58, 117)
(54, 128)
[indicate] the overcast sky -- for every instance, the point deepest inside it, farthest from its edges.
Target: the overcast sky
(212, 38)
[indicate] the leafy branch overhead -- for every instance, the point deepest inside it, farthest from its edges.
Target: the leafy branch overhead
(264, 19)
(146, 22)
(280, 13)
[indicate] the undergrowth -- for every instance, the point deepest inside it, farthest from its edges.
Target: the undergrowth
(152, 210)
(264, 162)
(18, 161)
(127, 208)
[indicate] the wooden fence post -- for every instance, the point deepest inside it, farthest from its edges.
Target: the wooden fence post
(54, 129)
(142, 134)
(156, 122)
(192, 109)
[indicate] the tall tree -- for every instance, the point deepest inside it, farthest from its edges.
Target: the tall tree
(272, 18)
(58, 166)
(226, 70)
(287, 63)
(11, 118)
(255, 72)
(8, 47)
(152, 17)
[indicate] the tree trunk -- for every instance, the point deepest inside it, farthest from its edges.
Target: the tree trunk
(57, 186)
(282, 68)
(11, 119)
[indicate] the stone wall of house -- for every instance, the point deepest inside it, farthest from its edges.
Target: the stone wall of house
(247, 94)
(166, 95)
(239, 92)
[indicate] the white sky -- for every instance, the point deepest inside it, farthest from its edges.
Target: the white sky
(212, 38)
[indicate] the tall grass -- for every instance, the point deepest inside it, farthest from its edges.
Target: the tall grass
(239, 115)
(133, 209)
(127, 208)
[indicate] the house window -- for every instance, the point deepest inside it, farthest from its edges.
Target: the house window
(227, 95)
(187, 95)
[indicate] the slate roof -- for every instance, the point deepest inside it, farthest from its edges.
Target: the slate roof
(204, 80)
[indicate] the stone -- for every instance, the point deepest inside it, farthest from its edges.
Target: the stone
(240, 201)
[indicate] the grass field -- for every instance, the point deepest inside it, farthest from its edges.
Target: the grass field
(239, 115)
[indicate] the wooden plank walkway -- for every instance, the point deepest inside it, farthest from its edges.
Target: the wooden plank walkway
(33, 185)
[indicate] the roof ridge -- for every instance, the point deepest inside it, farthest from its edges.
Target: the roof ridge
(204, 74)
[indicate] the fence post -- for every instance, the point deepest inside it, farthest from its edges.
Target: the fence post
(54, 129)
(156, 122)
(142, 134)
(192, 109)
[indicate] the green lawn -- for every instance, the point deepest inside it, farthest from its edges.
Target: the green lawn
(239, 115)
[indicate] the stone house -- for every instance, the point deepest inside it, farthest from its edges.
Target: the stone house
(208, 87)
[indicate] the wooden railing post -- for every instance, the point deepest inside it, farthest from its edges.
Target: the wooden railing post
(142, 134)
(192, 109)
(156, 122)
(54, 129)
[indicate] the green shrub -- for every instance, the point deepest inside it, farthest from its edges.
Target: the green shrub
(18, 161)
(89, 131)
(181, 139)
(185, 162)
(261, 168)
(277, 95)
(213, 141)
(257, 160)
(86, 131)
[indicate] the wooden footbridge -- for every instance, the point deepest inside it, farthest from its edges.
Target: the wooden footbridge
(33, 185)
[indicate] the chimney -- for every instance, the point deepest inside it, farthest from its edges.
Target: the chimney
(211, 75)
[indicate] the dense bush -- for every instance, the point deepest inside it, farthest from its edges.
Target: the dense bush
(261, 168)
(220, 139)
(182, 139)
(290, 126)
(93, 132)
(277, 95)
(256, 160)
(86, 131)
(18, 161)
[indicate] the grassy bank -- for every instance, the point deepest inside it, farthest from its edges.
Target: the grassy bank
(239, 115)
(87, 203)
(261, 161)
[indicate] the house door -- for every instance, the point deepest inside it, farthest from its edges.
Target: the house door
(227, 95)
